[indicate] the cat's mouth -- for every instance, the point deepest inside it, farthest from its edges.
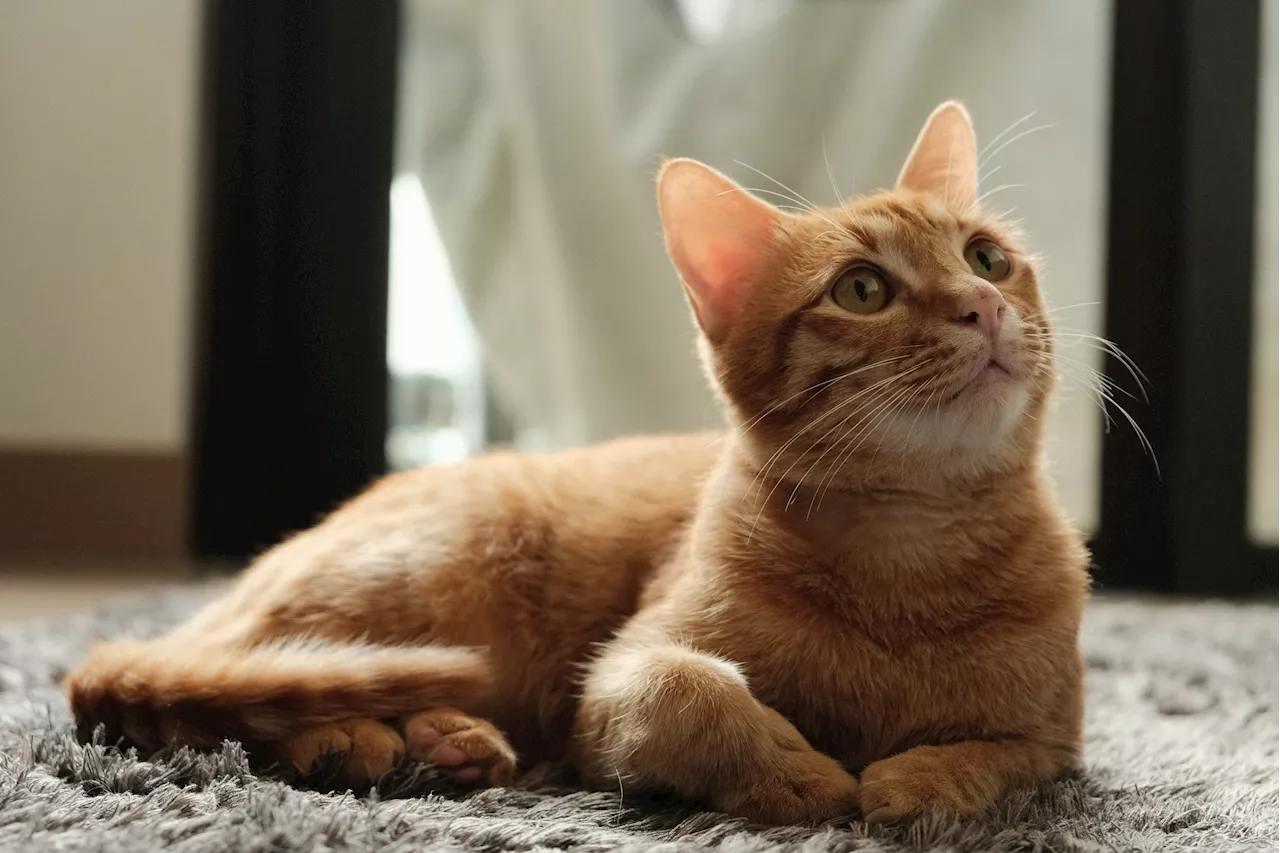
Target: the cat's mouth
(990, 373)
(993, 372)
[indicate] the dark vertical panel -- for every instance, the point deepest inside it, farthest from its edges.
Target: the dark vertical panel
(1179, 293)
(291, 388)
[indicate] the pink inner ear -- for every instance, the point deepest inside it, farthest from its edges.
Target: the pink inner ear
(716, 235)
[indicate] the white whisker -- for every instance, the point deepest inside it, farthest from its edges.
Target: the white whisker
(873, 419)
(995, 190)
(817, 386)
(983, 161)
(767, 177)
(835, 188)
(1001, 135)
(763, 472)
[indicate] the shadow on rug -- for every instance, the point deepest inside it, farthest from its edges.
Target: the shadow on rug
(1181, 754)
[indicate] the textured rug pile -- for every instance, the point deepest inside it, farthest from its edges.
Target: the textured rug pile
(1181, 755)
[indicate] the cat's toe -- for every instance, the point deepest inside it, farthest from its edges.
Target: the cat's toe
(811, 787)
(375, 749)
(912, 784)
(368, 749)
(472, 750)
(305, 749)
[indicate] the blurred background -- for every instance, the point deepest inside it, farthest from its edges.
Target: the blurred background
(254, 254)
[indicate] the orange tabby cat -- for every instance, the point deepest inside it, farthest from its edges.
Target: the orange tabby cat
(863, 598)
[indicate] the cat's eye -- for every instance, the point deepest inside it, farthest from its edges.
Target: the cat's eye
(861, 290)
(987, 260)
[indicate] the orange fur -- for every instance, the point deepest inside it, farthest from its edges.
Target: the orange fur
(867, 576)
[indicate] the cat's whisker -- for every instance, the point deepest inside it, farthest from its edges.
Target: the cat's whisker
(1003, 217)
(876, 401)
(817, 386)
(1110, 346)
(1096, 375)
(892, 411)
(1091, 391)
(984, 160)
(1102, 396)
(804, 206)
(800, 206)
(906, 442)
(887, 412)
(767, 177)
(835, 188)
(769, 497)
(1051, 311)
(869, 425)
(875, 388)
(1002, 187)
(860, 432)
(763, 473)
(1140, 379)
(1142, 436)
(983, 178)
(824, 438)
(995, 140)
(901, 407)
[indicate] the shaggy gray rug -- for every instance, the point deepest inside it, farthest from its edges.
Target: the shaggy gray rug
(1181, 755)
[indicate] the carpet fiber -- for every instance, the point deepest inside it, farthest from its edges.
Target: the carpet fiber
(1181, 755)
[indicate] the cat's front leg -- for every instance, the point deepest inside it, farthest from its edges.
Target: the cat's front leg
(656, 715)
(962, 778)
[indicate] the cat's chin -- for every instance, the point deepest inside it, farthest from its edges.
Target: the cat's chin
(988, 408)
(977, 418)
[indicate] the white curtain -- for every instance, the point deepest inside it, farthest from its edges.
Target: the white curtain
(537, 126)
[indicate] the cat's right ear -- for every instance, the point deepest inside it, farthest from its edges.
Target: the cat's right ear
(716, 234)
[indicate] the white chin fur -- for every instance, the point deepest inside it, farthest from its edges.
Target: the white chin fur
(979, 421)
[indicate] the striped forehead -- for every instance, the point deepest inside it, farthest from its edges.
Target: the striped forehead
(909, 241)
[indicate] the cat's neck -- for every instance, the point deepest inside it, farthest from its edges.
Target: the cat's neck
(755, 511)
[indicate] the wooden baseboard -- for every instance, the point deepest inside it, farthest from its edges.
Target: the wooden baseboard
(95, 503)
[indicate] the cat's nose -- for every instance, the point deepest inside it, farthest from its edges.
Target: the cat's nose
(982, 307)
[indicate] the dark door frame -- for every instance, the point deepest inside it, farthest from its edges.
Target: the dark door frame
(1179, 297)
(291, 402)
(290, 409)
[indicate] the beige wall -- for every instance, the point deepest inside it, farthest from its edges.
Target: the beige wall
(97, 172)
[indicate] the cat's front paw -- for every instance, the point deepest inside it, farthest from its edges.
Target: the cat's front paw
(811, 787)
(913, 783)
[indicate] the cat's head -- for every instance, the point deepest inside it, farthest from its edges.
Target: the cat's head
(904, 329)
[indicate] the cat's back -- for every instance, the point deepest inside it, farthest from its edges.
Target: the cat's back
(580, 528)
(638, 480)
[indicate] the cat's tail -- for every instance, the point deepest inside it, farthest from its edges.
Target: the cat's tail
(158, 693)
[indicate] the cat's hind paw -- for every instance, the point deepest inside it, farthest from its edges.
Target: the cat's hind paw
(471, 750)
(368, 749)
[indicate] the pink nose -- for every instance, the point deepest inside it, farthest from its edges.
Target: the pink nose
(982, 308)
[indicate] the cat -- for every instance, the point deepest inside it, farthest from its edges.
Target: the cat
(861, 598)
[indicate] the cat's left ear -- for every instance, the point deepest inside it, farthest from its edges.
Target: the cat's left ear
(717, 234)
(944, 161)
